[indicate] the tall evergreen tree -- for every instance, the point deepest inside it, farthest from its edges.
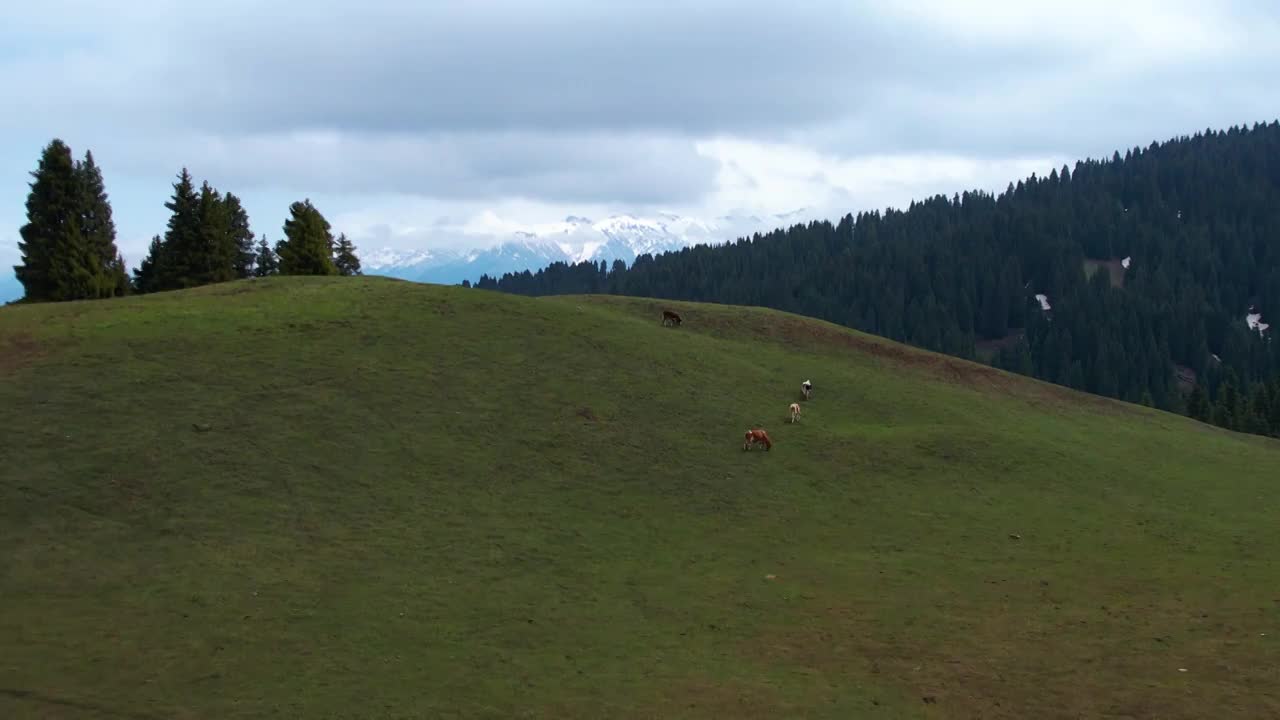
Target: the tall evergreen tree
(265, 261)
(216, 254)
(99, 229)
(1222, 416)
(1256, 411)
(345, 257)
(307, 247)
(1198, 404)
(183, 261)
(58, 262)
(1227, 410)
(146, 277)
(241, 236)
(1273, 415)
(120, 283)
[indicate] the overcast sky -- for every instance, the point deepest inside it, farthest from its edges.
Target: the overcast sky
(422, 124)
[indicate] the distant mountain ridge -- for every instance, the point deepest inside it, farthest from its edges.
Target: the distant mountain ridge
(573, 240)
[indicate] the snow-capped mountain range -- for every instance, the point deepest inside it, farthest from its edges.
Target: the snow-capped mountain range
(575, 239)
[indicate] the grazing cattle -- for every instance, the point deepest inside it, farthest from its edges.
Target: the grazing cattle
(671, 316)
(757, 437)
(806, 389)
(795, 412)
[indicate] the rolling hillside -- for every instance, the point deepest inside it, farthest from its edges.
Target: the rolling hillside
(333, 497)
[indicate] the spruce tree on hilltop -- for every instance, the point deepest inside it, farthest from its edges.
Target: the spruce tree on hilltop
(216, 255)
(99, 229)
(265, 260)
(146, 277)
(345, 257)
(307, 247)
(58, 262)
(121, 284)
(173, 263)
(241, 236)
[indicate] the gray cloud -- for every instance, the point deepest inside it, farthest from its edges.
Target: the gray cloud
(581, 168)
(710, 67)
(929, 75)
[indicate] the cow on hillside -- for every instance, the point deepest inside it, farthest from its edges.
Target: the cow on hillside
(757, 437)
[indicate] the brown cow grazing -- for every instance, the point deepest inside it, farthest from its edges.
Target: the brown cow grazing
(672, 317)
(757, 437)
(795, 412)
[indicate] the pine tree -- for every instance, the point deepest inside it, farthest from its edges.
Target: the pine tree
(1256, 411)
(1198, 404)
(1273, 415)
(216, 255)
(1075, 377)
(57, 260)
(120, 277)
(345, 257)
(241, 236)
(146, 277)
(181, 252)
(307, 248)
(1222, 415)
(99, 229)
(265, 261)
(1227, 409)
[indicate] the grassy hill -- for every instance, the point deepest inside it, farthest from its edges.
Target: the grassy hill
(339, 498)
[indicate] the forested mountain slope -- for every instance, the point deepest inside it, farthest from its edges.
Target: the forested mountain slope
(1186, 234)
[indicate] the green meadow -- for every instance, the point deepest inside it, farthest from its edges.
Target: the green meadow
(363, 498)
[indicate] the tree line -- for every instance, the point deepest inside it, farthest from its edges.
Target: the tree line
(1196, 217)
(68, 245)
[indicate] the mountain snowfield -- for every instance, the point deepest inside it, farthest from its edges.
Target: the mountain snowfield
(574, 239)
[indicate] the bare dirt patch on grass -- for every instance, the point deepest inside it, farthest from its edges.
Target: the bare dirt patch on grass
(18, 351)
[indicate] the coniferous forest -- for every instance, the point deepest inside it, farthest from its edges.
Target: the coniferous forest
(68, 245)
(1149, 276)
